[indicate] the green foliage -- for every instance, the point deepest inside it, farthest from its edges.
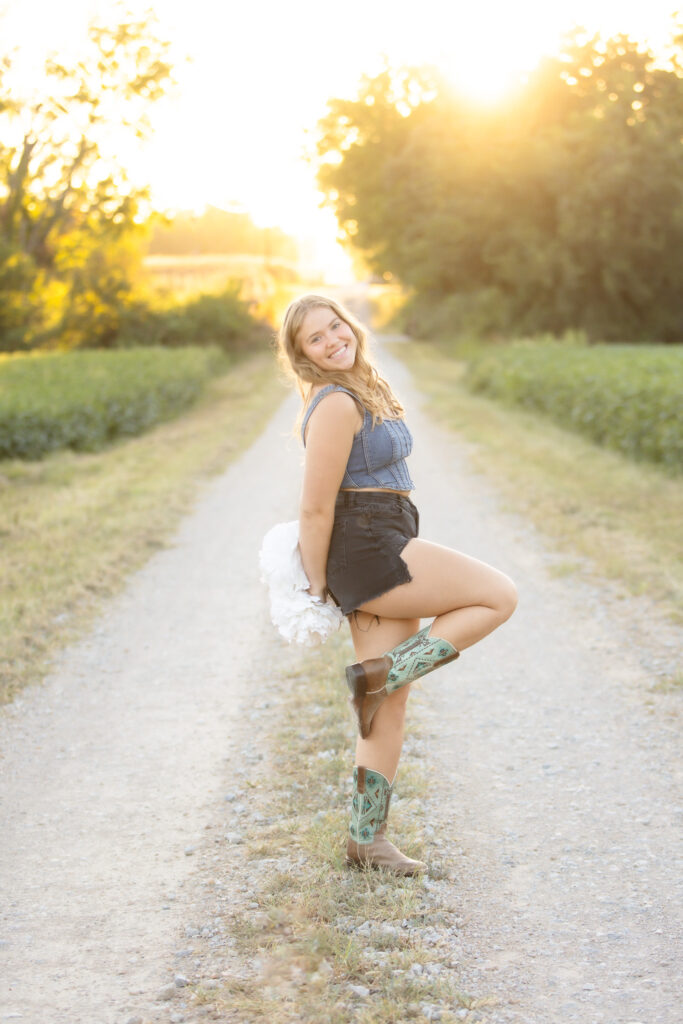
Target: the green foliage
(475, 314)
(562, 208)
(69, 218)
(83, 400)
(224, 320)
(621, 396)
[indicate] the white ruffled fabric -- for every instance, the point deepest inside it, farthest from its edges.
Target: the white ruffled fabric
(296, 615)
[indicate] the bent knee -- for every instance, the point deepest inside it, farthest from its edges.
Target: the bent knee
(506, 601)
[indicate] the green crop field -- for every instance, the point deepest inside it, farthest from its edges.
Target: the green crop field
(626, 397)
(85, 399)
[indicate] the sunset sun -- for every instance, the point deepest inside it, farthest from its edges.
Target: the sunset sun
(248, 98)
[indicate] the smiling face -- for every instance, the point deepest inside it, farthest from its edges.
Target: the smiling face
(327, 340)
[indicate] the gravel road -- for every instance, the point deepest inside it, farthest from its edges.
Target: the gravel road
(555, 807)
(557, 769)
(111, 770)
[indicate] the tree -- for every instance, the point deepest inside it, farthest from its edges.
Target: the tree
(562, 208)
(67, 209)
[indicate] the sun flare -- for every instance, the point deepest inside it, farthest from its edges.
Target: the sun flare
(236, 129)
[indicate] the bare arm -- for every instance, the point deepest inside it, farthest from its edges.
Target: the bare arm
(329, 437)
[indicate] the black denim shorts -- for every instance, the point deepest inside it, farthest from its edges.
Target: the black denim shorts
(371, 529)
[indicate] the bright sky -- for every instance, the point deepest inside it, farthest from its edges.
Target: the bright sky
(262, 71)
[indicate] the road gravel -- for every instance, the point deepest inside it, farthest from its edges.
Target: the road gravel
(553, 750)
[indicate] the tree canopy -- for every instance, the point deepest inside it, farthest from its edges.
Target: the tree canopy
(68, 213)
(561, 208)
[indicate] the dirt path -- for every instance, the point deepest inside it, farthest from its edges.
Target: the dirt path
(555, 766)
(111, 770)
(558, 777)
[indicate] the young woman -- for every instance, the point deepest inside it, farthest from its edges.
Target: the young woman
(358, 536)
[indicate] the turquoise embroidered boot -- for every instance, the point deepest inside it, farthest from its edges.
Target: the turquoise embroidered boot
(371, 681)
(368, 845)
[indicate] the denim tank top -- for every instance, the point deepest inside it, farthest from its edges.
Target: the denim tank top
(378, 456)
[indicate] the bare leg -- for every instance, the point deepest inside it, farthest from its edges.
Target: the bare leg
(377, 756)
(381, 750)
(466, 598)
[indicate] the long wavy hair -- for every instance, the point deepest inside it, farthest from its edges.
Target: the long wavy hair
(362, 379)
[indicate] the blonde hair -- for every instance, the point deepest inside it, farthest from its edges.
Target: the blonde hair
(363, 380)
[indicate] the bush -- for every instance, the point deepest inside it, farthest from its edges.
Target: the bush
(85, 399)
(623, 396)
(224, 320)
(478, 314)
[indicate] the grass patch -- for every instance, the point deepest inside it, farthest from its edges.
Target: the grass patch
(74, 525)
(625, 397)
(621, 516)
(328, 943)
(669, 684)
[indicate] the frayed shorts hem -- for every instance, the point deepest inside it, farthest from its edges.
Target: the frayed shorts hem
(355, 605)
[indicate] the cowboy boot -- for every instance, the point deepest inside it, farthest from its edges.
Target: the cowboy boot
(368, 845)
(371, 681)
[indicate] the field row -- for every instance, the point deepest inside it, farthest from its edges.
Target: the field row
(624, 397)
(620, 396)
(85, 399)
